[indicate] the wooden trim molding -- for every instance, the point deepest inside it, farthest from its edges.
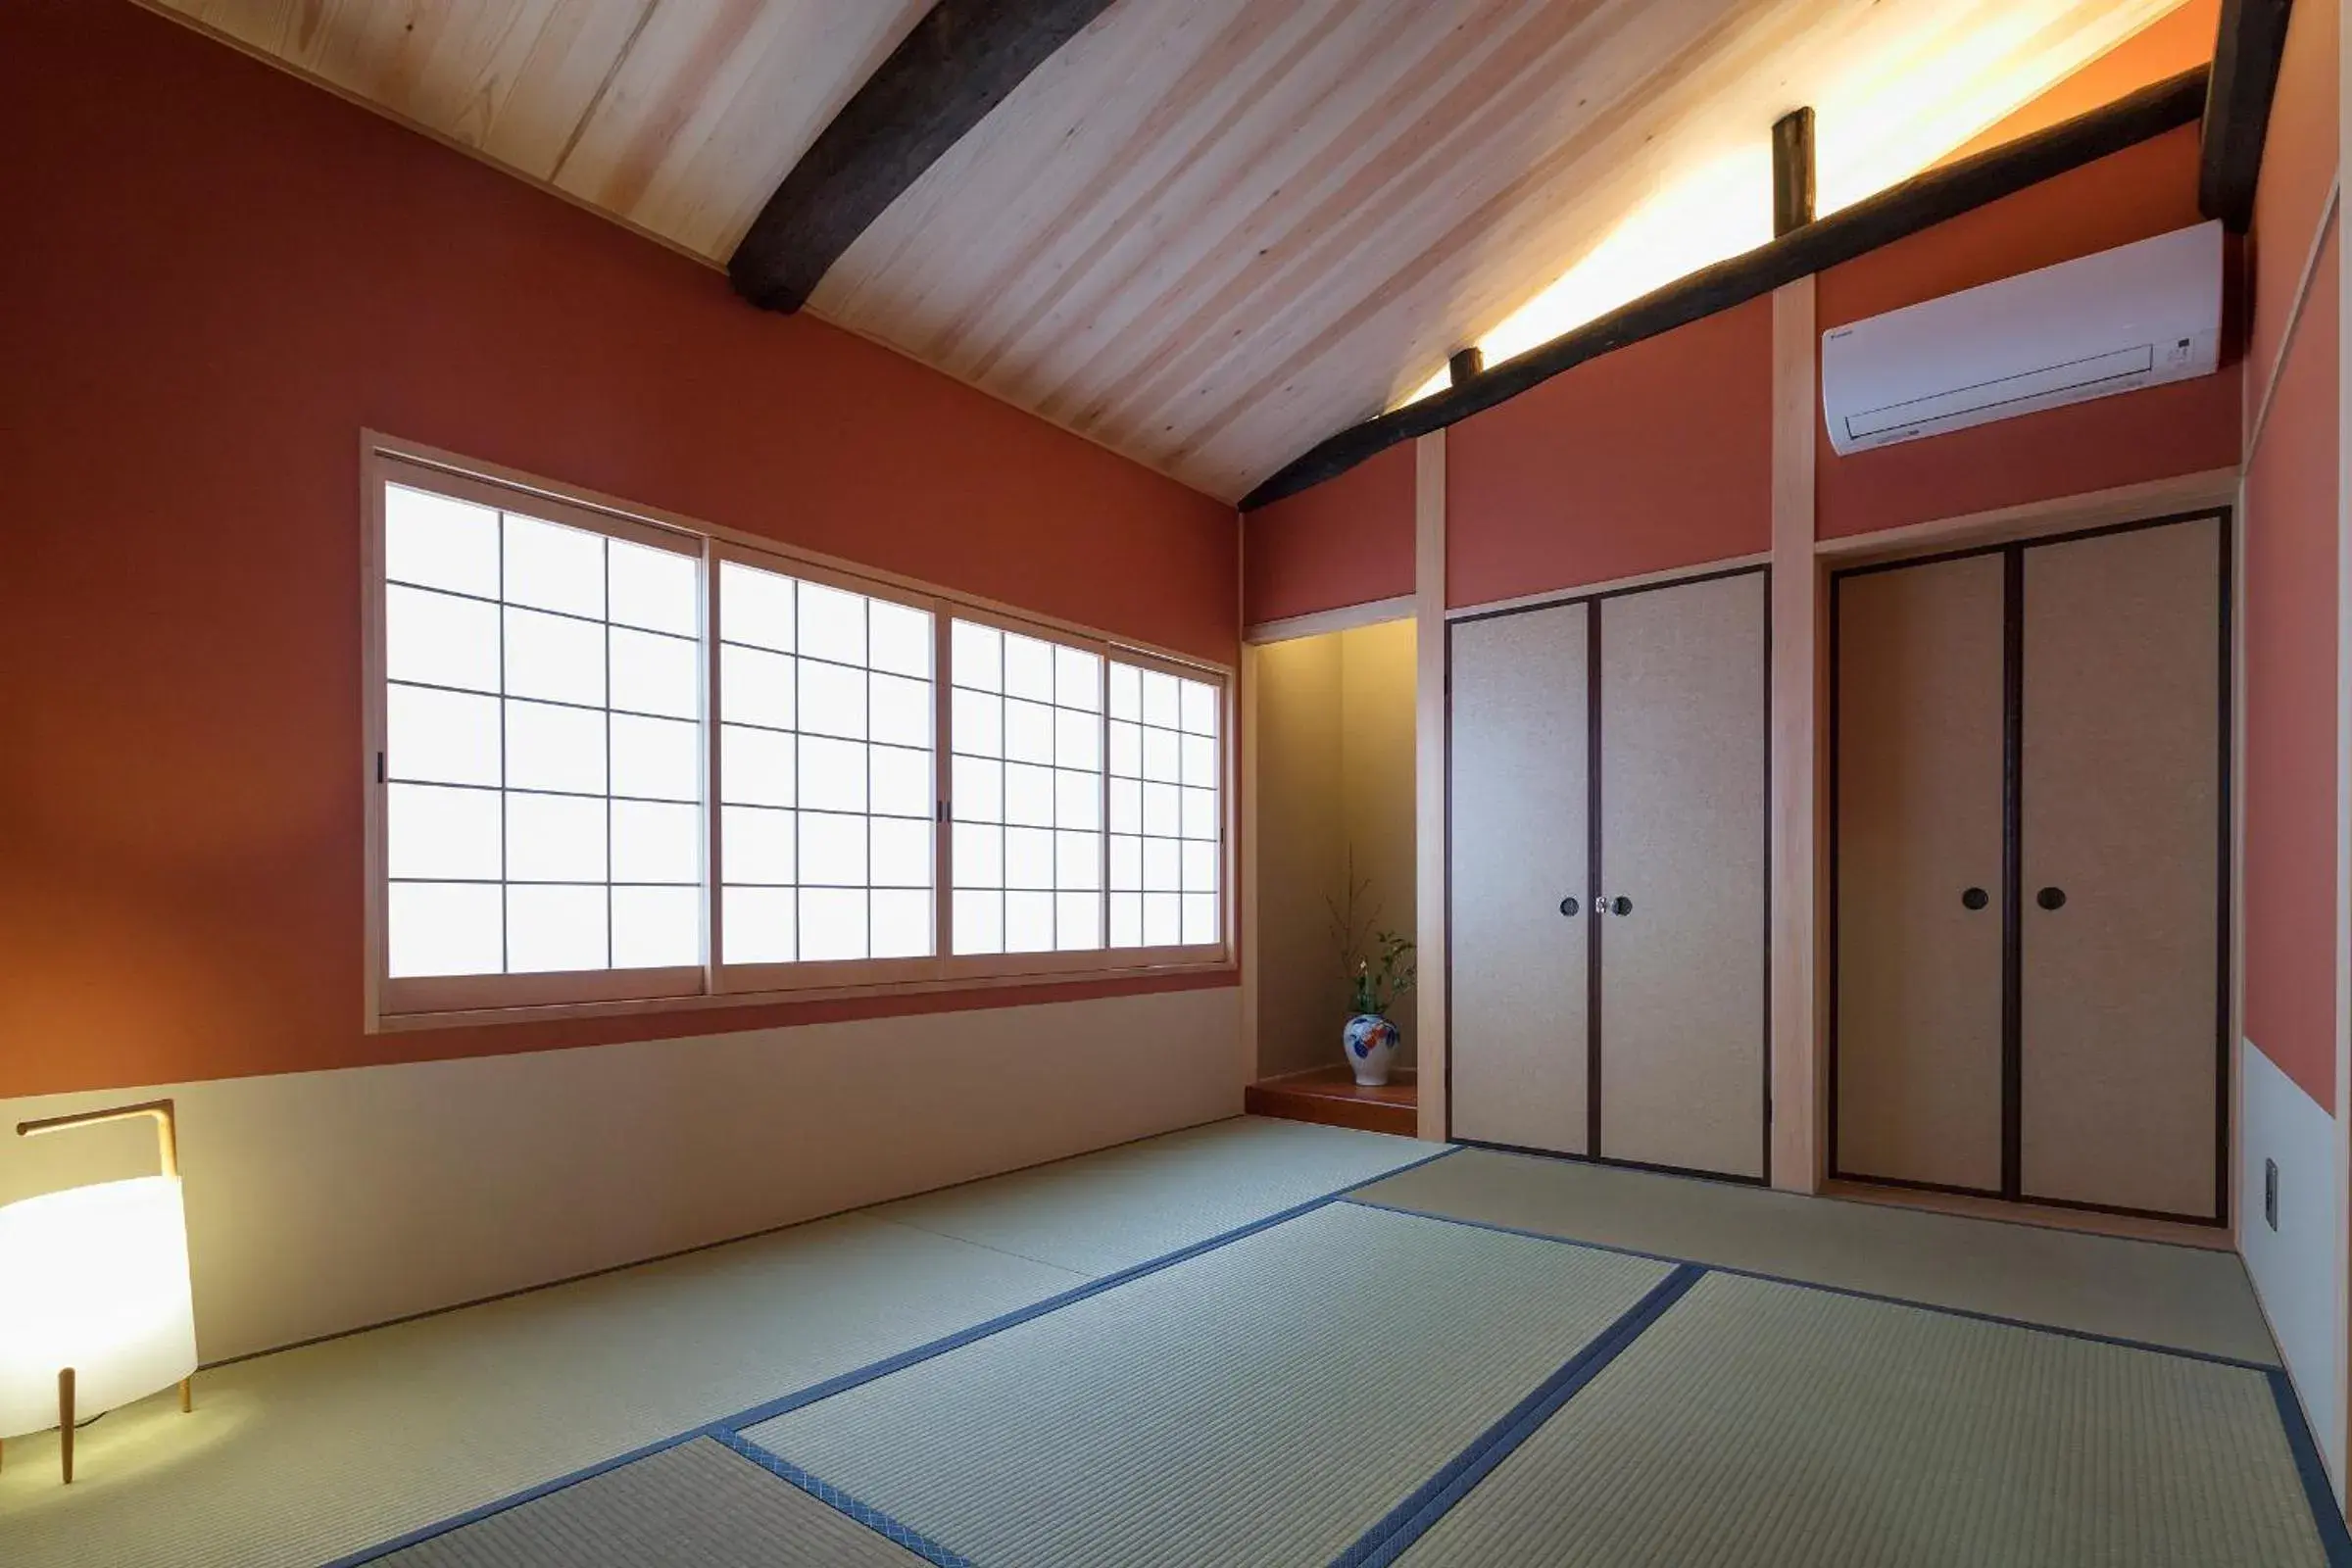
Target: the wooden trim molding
(1345, 618)
(1921, 202)
(1611, 585)
(961, 60)
(1799, 671)
(1430, 893)
(2088, 508)
(2238, 106)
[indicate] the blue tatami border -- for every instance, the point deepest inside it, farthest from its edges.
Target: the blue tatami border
(725, 1428)
(2336, 1538)
(1405, 1523)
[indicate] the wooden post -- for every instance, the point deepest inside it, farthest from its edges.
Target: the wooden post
(1791, 172)
(1799, 757)
(64, 1422)
(1429, 780)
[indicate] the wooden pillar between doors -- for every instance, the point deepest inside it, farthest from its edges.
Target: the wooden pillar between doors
(1429, 778)
(1799, 760)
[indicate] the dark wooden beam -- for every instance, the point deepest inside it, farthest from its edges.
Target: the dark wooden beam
(1919, 203)
(2238, 106)
(959, 63)
(1463, 364)
(1791, 172)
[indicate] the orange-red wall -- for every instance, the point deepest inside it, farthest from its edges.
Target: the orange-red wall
(1347, 541)
(218, 275)
(2291, 572)
(2160, 432)
(1654, 457)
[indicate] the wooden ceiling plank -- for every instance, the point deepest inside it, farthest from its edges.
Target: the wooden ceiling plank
(2237, 113)
(942, 80)
(1025, 176)
(1919, 203)
(1257, 169)
(1634, 151)
(1116, 208)
(1302, 255)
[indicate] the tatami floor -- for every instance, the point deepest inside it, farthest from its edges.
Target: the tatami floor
(1184, 1350)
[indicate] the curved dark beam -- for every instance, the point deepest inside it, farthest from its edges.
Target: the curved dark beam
(959, 63)
(1919, 203)
(2237, 108)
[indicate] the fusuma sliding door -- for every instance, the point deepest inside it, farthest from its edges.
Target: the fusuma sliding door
(1520, 764)
(1607, 876)
(2030, 822)
(1682, 876)
(1920, 726)
(2119, 834)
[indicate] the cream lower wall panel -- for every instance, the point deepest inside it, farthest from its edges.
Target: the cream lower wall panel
(2296, 1267)
(323, 1201)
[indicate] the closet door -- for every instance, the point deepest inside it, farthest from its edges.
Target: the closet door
(1518, 759)
(1682, 843)
(1919, 716)
(2120, 836)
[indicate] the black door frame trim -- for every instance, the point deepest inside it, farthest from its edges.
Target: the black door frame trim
(2013, 719)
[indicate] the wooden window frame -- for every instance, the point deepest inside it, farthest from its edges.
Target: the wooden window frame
(421, 1002)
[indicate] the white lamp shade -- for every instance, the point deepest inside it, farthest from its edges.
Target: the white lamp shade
(94, 1278)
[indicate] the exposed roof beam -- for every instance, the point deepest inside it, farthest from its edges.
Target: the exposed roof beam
(959, 63)
(1918, 203)
(2238, 106)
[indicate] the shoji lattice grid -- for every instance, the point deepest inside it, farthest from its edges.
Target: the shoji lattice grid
(826, 786)
(543, 754)
(1026, 734)
(1165, 774)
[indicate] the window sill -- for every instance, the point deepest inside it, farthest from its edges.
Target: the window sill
(1215, 961)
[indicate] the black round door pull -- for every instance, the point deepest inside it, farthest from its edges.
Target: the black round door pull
(2051, 898)
(1568, 905)
(1621, 904)
(1973, 899)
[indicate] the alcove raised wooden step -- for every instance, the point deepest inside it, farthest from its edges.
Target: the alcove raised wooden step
(1331, 1096)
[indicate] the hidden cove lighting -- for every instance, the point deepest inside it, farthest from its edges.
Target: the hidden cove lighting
(95, 1305)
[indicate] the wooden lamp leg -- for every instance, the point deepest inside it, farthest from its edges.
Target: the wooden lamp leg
(187, 1394)
(64, 1422)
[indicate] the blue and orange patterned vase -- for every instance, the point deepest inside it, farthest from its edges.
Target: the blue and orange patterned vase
(1370, 1043)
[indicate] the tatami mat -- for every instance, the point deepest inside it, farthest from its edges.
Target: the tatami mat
(1264, 1402)
(1110, 1211)
(697, 1505)
(302, 1457)
(296, 1458)
(2188, 1297)
(1760, 1425)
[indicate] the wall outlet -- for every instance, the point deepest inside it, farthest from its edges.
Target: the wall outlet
(2269, 1193)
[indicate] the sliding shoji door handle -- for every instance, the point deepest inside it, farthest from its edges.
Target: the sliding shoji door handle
(1569, 906)
(1620, 905)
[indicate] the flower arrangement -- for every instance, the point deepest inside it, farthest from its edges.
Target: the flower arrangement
(1378, 962)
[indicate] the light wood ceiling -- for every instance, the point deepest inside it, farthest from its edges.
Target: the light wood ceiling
(1206, 234)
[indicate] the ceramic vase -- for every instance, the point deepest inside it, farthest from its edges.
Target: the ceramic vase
(1369, 1041)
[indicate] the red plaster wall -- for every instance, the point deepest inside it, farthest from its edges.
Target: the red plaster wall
(1654, 457)
(217, 276)
(1347, 541)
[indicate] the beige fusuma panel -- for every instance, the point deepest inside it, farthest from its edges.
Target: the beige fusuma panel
(1682, 807)
(1919, 798)
(1518, 761)
(2121, 831)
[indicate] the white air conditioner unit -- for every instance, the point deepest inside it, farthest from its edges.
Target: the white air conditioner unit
(2133, 317)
